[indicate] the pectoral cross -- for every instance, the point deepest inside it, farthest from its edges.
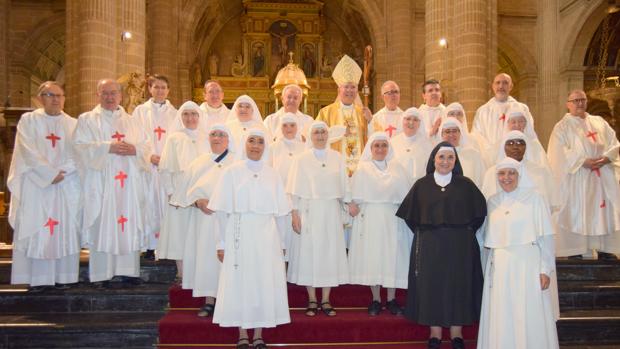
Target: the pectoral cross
(51, 223)
(390, 129)
(122, 220)
(159, 131)
(52, 137)
(121, 176)
(118, 136)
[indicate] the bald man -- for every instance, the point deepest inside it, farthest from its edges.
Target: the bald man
(388, 119)
(490, 119)
(583, 154)
(114, 152)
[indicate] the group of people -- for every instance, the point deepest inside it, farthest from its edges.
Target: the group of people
(465, 220)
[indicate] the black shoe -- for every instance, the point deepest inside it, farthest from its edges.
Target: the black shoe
(259, 343)
(577, 257)
(38, 289)
(243, 343)
(458, 343)
(62, 286)
(604, 256)
(393, 307)
(206, 310)
(434, 343)
(101, 284)
(149, 255)
(131, 281)
(374, 308)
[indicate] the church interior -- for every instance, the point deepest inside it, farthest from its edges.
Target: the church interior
(255, 47)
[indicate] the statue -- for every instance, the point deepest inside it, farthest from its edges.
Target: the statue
(197, 75)
(238, 66)
(133, 90)
(326, 67)
(258, 61)
(213, 61)
(283, 46)
(308, 61)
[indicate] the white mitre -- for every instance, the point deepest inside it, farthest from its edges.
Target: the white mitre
(347, 71)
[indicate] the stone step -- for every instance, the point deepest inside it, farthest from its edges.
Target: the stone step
(85, 298)
(163, 271)
(587, 270)
(132, 330)
(584, 295)
(600, 327)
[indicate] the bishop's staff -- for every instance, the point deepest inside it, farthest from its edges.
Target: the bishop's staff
(367, 65)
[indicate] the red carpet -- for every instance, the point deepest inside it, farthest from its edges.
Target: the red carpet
(351, 326)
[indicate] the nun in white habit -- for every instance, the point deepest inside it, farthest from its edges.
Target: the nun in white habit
(517, 121)
(317, 182)
(380, 241)
(288, 144)
(244, 116)
(182, 147)
(251, 203)
(201, 268)
(517, 309)
(451, 130)
(412, 147)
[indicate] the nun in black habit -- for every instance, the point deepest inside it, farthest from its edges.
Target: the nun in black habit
(444, 209)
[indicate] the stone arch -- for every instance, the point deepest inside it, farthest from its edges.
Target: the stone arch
(523, 63)
(580, 34)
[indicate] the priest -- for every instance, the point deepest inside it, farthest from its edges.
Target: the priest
(432, 109)
(583, 154)
(346, 113)
(215, 110)
(45, 196)
(156, 116)
(292, 95)
(388, 118)
(114, 155)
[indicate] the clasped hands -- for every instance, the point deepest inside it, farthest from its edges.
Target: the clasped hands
(596, 163)
(123, 149)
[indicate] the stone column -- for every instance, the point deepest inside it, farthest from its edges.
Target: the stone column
(548, 73)
(4, 52)
(131, 53)
(435, 23)
(400, 16)
(472, 25)
(162, 31)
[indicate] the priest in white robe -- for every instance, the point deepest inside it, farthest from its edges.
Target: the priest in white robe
(380, 241)
(45, 196)
(181, 148)
(288, 144)
(114, 155)
(251, 203)
(490, 119)
(292, 95)
(215, 111)
(583, 154)
(517, 310)
(388, 118)
(156, 115)
(243, 117)
(452, 131)
(317, 182)
(432, 109)
(412, 147)
(201, 268)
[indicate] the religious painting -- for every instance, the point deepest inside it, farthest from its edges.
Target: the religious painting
(308, 60)
(258, 59)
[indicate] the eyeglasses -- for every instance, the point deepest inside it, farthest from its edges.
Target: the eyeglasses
(51, 95)
(578, 100)
(391, 92)
(515, 142)
(219, 134)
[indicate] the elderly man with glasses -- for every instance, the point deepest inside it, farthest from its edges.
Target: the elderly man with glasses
(388, 119)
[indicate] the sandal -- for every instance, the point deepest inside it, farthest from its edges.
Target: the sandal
(328, 309)
(312, 310)
(245, 345)
(260, 345)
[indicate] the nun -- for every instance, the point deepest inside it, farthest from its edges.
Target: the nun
(444, 209)
(380, 242)
(201, 268)
(244, 116)
(182, 147)
(317, 183)
(251, 205)
(412, 146)
(517, 305)
(451, 130)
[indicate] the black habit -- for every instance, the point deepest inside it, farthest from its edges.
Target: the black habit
(445, 274)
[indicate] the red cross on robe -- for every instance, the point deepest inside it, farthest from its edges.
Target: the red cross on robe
(121, 176)
(159, 131)
(591, 134)
(52, 137)
(390, 129)
(51, 223)
(122, 220)
(118, 136)
(597, 172)
(502, 117)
